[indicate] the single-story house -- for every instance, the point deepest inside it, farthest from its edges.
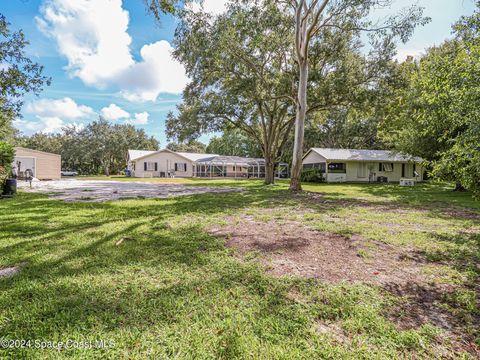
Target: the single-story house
(44, 165)
(168, 163)
(351, 165)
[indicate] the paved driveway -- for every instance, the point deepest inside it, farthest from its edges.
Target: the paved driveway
(97, 190)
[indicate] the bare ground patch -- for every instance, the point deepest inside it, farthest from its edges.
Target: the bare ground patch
(422, 304)
(100, 190)
(290, 248)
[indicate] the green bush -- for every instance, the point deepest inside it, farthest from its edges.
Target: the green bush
(7, 154)
(312, 175)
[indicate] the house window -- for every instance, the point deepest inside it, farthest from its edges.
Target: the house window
(149, 166)
(320, 166)
(386, 167)
(181, 167)
(362, 170)
(337, 168)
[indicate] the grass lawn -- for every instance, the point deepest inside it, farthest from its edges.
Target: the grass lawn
(153, 277)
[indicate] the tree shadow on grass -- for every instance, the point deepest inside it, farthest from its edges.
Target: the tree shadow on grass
(336, 201)
(175, 281)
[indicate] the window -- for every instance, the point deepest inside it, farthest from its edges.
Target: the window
(339, 168)
(362, 170)
(149, 166)
(386, 167)
(180, 166)
(320, 166)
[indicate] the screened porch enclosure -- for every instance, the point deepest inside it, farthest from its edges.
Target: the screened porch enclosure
(236, 167)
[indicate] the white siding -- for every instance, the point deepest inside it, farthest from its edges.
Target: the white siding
(373, 167)
(313, 158)
(165, 163)
(47, 166)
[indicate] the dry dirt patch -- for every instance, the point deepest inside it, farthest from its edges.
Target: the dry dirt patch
(74, 190)
(290, 248)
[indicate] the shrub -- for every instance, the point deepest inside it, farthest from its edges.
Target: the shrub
(312, 175)
(7, 154)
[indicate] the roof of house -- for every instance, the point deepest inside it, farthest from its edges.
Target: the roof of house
(363, 155)
(231, 160)
(140, 154)
(35, 151)
(135, 154)
(195, 156)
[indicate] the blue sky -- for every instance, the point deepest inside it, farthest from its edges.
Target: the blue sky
(110, 57)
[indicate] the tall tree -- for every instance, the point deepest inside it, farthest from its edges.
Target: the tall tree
(18, 75)
(311, 17)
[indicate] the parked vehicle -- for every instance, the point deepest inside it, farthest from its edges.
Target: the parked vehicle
(69, 173)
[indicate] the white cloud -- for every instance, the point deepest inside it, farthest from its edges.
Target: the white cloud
(214, 7)
(27, 126)
(157, 73)
(114, 112)
(65, 108)
(139, 119)
(53, 114)
(44, 124)
(51, 124)
(92, 35)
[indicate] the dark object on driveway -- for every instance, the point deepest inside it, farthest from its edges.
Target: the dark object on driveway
(69, 173)
(10, 188)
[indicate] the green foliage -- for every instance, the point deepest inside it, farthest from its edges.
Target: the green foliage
(312, 175)
(101, 147)
(436, 115)
(7, 154)
(162, 7)
(235, 143)
(19, 75)
(192, 146)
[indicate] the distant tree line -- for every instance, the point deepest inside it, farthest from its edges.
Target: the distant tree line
(99, 148)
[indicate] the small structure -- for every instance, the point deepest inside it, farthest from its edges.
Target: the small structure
(352, 165)
(167, 163)
(42, 165)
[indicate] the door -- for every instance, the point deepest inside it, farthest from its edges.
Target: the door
(23, 163)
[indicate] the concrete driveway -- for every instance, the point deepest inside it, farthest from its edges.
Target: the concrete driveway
(74, 190)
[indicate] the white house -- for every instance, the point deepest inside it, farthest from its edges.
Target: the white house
(351, 165)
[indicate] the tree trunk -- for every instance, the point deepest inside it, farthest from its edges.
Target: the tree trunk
(295, 183)
(269, 170)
